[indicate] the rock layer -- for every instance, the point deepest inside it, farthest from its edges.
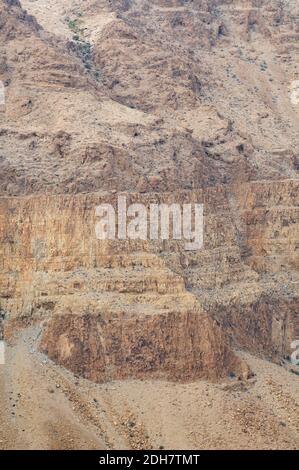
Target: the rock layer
(164, 101)
(102, 298)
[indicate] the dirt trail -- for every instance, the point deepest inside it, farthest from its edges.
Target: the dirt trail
(46, 407)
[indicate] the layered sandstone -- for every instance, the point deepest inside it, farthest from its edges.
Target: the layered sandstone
(110, 309)
(164, 101)
(131, 308)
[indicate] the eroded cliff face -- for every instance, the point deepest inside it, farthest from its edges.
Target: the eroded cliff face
(251, 283)
(109, 309)
(164, 101)
(115, 309)
(176, 345)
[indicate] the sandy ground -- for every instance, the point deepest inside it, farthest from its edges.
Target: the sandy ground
(46, 407)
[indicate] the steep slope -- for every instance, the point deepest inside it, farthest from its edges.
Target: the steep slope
(159, 92)
(164, 101)
(44, 149)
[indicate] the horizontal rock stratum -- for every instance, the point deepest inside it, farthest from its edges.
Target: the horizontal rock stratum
(147, 344)
(118, 309)
(161, 101)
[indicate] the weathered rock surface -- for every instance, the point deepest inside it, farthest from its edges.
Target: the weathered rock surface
(121, 304)
(111, 309)
(148, 96)
(166, 101)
